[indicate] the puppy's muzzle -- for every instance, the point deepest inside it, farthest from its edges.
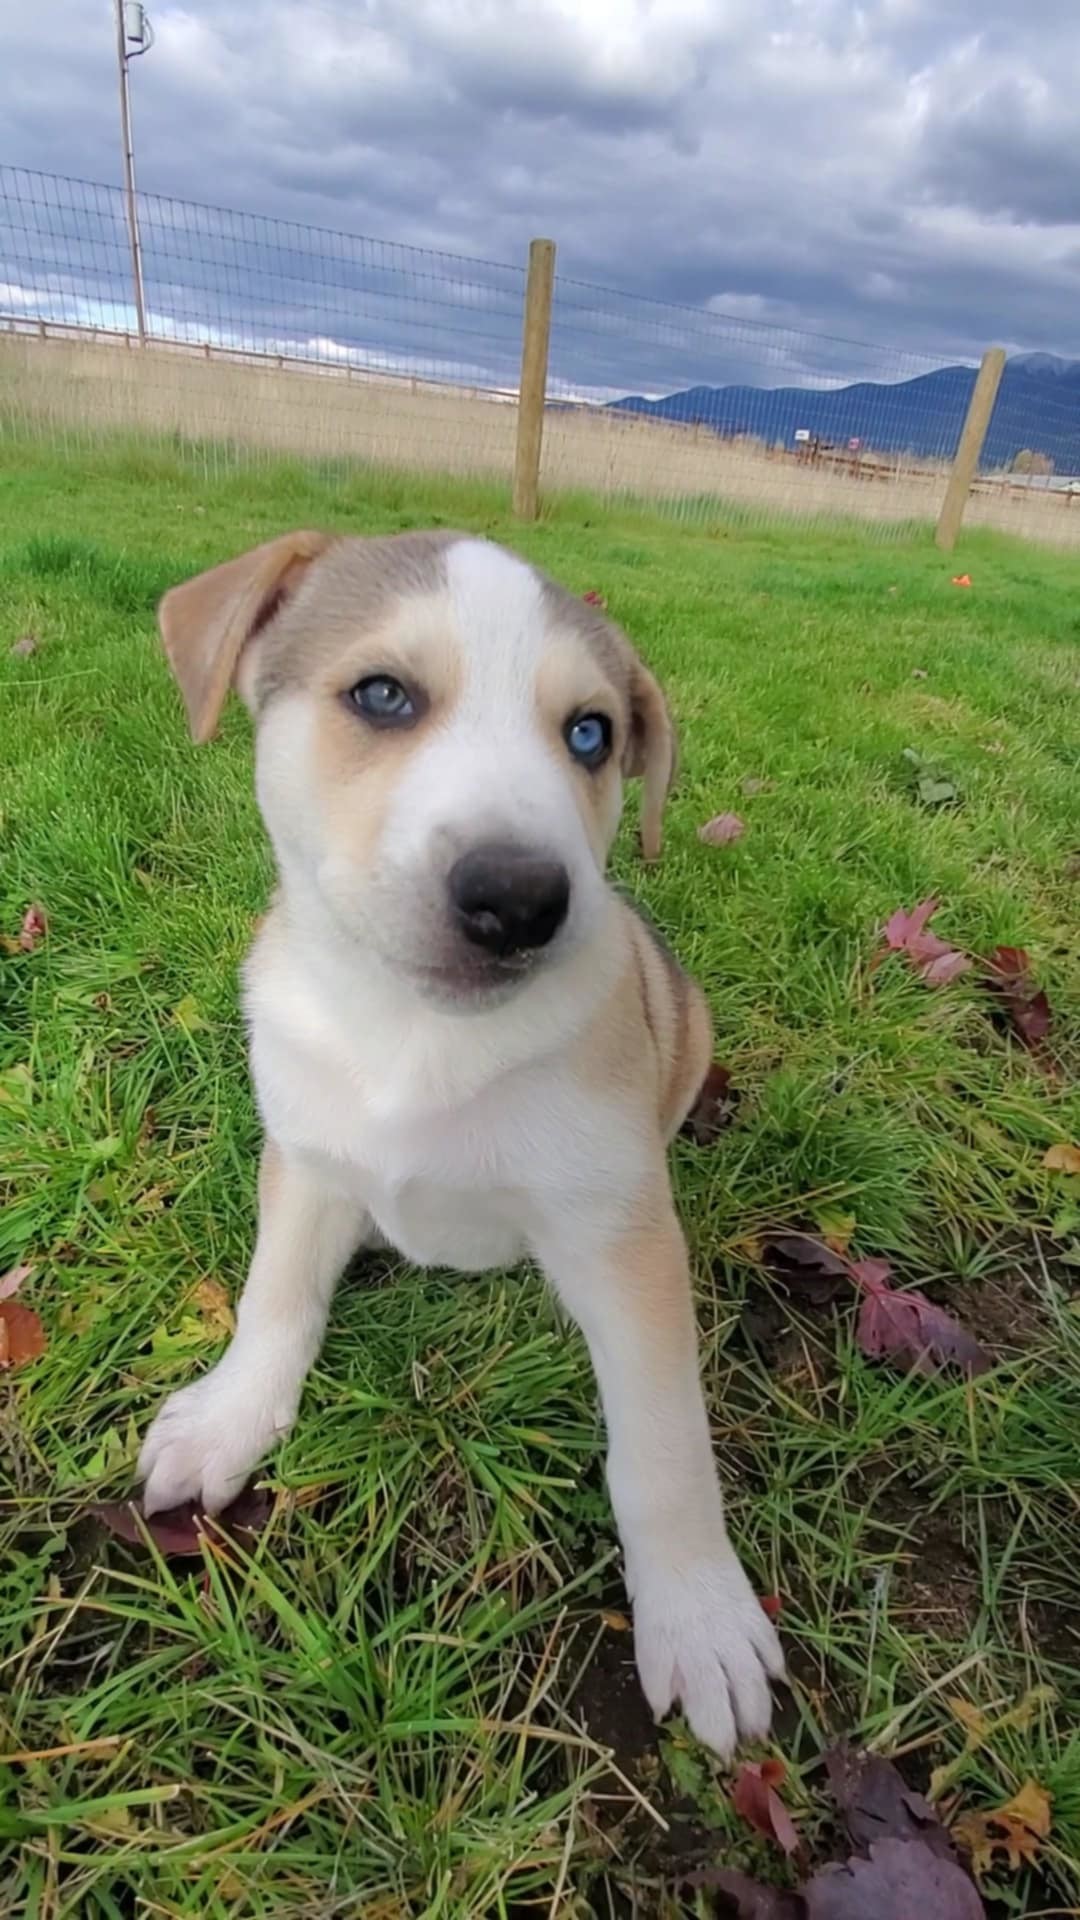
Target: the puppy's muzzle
(508, 899)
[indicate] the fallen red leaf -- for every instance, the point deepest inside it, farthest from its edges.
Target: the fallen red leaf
(714, 1109)
(594, 599)
(903, 1326)
(908, 1326)
(1020, 1004)
(722, 830)
(22, 1336)
(756, 1800)
(772, 1604)
(961, 579)
(933, 959)
(178, 1532)
(34, 927)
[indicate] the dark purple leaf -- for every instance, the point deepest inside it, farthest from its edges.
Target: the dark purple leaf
(908, 1326)
(902, 1880)
(877, 1804)
(801, 1253)
(714, 1109)
(807, 1266)
(1020, 1005)
(178, 1532)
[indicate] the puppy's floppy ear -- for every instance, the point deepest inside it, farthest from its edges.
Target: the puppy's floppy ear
(651, 753)
(206, 622)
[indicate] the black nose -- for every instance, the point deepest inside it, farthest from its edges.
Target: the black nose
(507, 899)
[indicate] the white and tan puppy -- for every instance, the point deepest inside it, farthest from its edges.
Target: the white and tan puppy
(462, 1040)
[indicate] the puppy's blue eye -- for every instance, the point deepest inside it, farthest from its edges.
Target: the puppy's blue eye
(589, 738)
(383, 699)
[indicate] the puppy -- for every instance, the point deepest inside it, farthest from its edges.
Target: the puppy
(463, 1042)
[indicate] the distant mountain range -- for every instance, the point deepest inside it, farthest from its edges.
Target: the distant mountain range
(1038, 410)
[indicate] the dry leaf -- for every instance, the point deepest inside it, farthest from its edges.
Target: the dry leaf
(1062, 1159)
(981, 1727)
(722, 830)
(22, 1336)
(1016, 1830)
(214, 1308)
(12, 1280)
(25, 645)
(617, 1621)
(755, 1798)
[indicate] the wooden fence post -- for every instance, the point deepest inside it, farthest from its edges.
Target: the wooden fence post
(980, 408)
(533, 389)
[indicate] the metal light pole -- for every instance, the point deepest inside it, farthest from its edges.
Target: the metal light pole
(132, 26)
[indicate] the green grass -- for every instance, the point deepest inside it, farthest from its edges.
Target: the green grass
(380, 1711)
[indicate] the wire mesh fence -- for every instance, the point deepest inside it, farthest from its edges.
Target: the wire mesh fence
(268, 337)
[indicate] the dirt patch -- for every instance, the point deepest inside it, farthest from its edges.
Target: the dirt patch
(609, 1701)
(935, 1585)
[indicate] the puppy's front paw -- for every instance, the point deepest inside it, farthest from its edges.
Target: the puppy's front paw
(207, 1438)
(702, 1637)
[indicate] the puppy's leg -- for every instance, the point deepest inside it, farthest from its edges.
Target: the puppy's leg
(206, 1439)
(700, 1633)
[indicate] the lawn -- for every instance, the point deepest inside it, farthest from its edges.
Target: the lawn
(400, 1701)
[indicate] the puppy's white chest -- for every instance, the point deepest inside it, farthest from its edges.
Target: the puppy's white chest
(455, 1174)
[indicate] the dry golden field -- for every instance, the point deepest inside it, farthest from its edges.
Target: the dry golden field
(236, 406)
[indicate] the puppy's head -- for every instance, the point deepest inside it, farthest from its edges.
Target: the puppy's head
(441, 740)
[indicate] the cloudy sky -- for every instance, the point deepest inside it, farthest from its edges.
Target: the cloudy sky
(904, 173)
